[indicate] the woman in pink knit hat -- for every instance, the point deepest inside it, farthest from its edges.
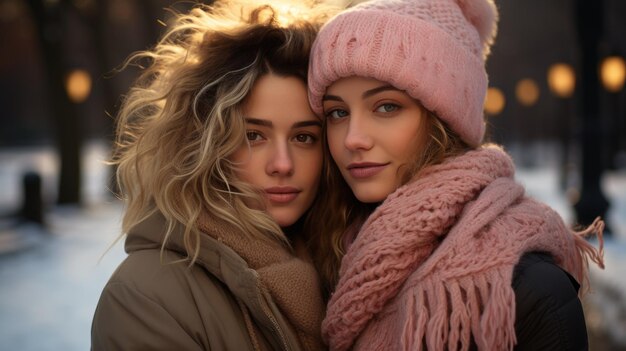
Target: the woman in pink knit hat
(430, 242)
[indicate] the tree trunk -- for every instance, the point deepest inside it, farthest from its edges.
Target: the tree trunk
(50, 24)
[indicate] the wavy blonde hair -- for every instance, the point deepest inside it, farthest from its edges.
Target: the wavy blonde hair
(345, 214)
(182, 120)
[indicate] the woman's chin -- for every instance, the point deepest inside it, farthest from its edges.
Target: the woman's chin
(285, 220)
(368, 196)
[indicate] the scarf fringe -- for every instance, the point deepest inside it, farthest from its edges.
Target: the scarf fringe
(587, 252)
(437, 327)
(462, 308)
(415, 326)
(498, 318)
(460, 332)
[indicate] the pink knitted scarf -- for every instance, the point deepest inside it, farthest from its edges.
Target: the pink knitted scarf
(432, 266)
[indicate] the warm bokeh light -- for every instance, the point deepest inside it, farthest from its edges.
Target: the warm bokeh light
(561, 80)
(527, 92)
(84, 4)
(613, 73)
(78, 85)
(494, 101)
(11, 10)
(122, 11)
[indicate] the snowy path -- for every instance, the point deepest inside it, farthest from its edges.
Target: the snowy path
(50, 287)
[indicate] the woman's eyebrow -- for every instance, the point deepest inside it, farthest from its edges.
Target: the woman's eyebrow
(258, 121)
(332, 97)
(375, 91)
(307, 124)
(365, 94)
(266, 123)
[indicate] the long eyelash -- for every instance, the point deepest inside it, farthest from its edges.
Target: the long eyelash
(314, 138)
(256, 132)
(397, 107)
(329, 113)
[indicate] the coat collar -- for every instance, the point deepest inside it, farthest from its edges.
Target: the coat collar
(224, 264)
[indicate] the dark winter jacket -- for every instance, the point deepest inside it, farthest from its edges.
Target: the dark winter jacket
(549, 314)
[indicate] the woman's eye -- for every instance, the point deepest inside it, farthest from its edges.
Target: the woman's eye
(386, 108)
(253, 136)
(305, 138)
(337, 114)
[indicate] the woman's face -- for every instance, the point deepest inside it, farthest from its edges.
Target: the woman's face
(374, 131)
(283, 156)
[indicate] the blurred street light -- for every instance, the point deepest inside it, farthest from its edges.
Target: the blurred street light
(613, 73)
(494, 101)
(561, 80)
(78, 85)
(527, 92)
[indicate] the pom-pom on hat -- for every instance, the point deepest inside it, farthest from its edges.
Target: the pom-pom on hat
(435, 50)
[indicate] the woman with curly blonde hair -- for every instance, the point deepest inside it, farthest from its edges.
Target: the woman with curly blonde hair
(219, 158)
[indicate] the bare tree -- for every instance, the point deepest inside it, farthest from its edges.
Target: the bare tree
(49, 18)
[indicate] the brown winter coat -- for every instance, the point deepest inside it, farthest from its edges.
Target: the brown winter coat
(219, 303)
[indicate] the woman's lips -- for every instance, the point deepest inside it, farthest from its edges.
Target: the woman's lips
(282, 194)
(365, 169)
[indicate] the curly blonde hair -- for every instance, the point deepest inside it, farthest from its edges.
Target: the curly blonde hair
(182, 120)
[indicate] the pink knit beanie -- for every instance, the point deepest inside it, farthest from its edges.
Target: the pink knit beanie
(435, 50)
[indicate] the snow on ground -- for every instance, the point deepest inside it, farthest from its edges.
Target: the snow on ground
(49, 291)
(51, 281)
(605, 306)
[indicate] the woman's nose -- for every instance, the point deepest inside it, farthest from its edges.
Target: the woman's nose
(359, 135)
(280, 162)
